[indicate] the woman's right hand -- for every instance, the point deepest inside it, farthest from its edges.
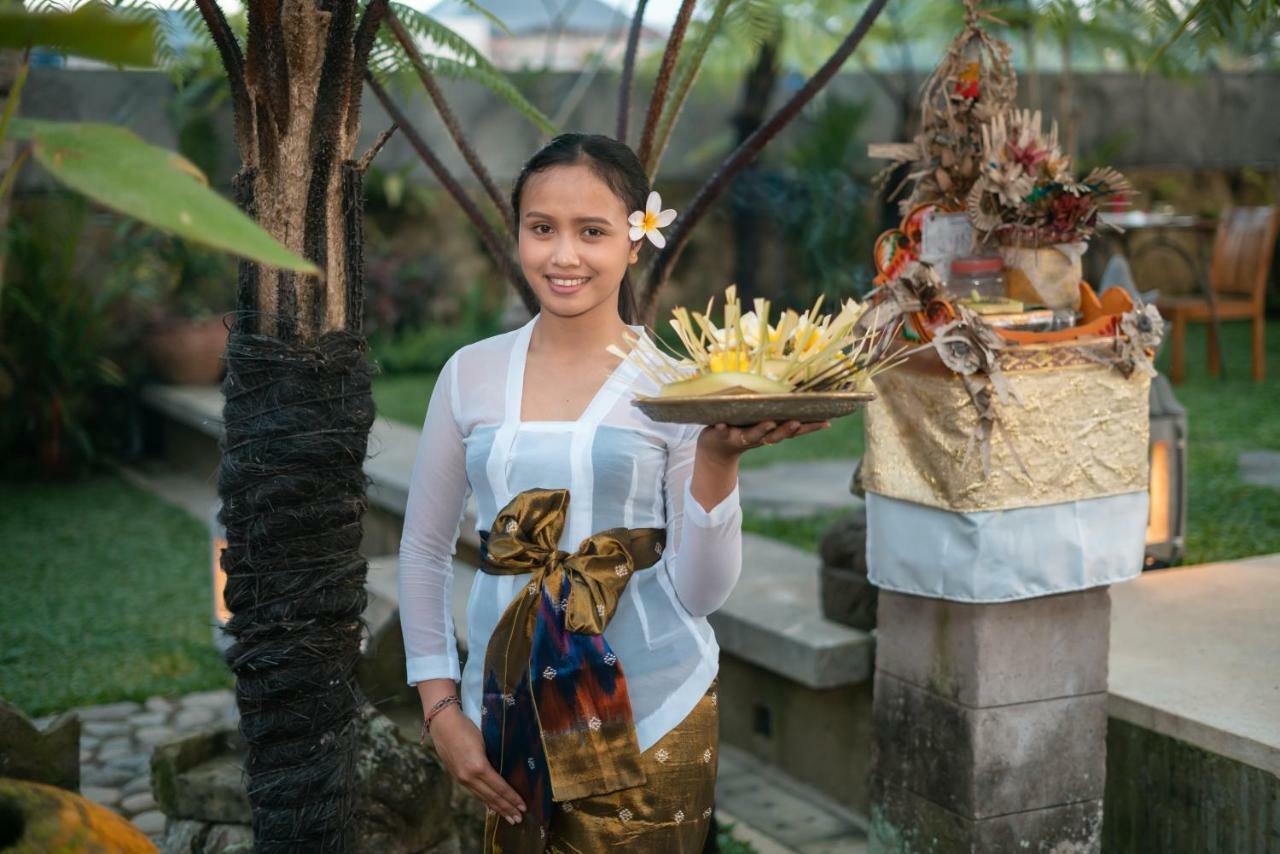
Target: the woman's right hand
(460, 746)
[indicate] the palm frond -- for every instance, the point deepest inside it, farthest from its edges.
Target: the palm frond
(686, 74)
(174, 27)
(474, 6)
(754, 21)
(388, 62)
(434, 37)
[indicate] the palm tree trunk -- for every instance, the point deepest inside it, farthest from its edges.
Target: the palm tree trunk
(297, 417)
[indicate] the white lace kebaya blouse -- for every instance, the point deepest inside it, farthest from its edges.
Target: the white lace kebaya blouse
(622, 470)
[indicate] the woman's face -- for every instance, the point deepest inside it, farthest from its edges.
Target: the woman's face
(574, 246)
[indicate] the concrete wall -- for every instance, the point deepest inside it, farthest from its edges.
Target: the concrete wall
(1214, 121)
(1169, 796)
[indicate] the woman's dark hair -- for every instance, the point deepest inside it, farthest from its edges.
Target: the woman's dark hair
(614, 163)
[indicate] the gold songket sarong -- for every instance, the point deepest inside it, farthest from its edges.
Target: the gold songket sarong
(556, 716)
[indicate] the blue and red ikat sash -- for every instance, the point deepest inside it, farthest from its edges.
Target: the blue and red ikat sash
(557, 720)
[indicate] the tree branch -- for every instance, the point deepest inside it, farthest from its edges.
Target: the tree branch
(451, 121)
(685, 78)
(500, 253)
(660, 271)
(233, 64)
(660, 86)
(327, 120)
(366, 34)
(628, 71)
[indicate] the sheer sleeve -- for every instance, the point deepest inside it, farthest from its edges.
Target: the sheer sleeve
(705, 546)
(432, 520)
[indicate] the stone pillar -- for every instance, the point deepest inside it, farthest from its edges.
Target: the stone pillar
(990, 724)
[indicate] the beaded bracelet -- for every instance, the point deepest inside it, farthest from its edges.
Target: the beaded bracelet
(451, 700)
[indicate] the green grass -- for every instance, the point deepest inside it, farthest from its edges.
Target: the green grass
(403, 397)
(1226, 517)
(805, 533)
(730, 844)
(107, 597)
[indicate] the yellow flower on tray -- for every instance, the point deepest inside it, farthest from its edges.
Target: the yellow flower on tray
(746, 354)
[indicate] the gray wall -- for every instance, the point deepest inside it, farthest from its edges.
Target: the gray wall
(1210, 122)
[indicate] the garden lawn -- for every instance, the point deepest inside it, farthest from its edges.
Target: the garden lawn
(107, 597)
(1226, 517)
(403, 397)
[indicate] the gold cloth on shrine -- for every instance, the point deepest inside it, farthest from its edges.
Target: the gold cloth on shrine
(1081, 432)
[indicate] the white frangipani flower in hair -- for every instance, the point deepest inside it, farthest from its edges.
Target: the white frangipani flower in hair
(646, 223)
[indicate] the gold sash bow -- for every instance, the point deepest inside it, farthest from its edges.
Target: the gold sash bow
(583, 719)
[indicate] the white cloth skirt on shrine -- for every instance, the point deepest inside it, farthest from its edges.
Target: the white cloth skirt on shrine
(1004, 555)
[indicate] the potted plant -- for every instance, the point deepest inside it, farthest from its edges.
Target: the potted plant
(1026, 200)
(182, 290)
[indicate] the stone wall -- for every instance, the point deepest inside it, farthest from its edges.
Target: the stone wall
(1167, 795)
(1216, 120)
(1196, 144)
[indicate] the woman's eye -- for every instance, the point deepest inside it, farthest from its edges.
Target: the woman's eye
(541, 228)
(593, 232)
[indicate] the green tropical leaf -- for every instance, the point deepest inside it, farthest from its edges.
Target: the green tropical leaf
(489, 16)
(116, 168)
(388, 61)
(91, 31)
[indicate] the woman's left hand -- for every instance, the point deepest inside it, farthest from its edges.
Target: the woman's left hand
(727, 442)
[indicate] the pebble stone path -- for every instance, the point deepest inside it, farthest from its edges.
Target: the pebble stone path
(116, 741)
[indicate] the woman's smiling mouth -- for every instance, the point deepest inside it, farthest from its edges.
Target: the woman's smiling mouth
(561, 284)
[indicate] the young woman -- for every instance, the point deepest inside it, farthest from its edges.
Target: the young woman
(587, 714)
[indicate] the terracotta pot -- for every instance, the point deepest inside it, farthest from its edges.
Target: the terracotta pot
(36, 817)
(187, 352)
(1044, 275)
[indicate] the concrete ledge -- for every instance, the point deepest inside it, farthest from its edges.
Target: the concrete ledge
(773, 618)
(392, 446)
(1194, 657)
(381, 582)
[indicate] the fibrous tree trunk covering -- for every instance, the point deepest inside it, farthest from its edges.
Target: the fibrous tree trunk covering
(297, 415)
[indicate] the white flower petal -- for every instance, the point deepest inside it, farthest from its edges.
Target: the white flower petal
(656, 238)
(654, 203)
(636, 232)
(636, 218)
(666, 217)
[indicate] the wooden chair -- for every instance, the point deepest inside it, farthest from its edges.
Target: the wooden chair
(1242, 251)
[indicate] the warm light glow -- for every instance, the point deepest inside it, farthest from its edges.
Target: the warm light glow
(220, 611)
(1158, 520)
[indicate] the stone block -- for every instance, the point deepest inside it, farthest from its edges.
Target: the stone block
(381, 669)
(401, 791)
(199, 777)
(989, 761)
(182, 836)
(997, 654)
(905, 823)
(50, 755)
(774, 619)
(821, 737)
